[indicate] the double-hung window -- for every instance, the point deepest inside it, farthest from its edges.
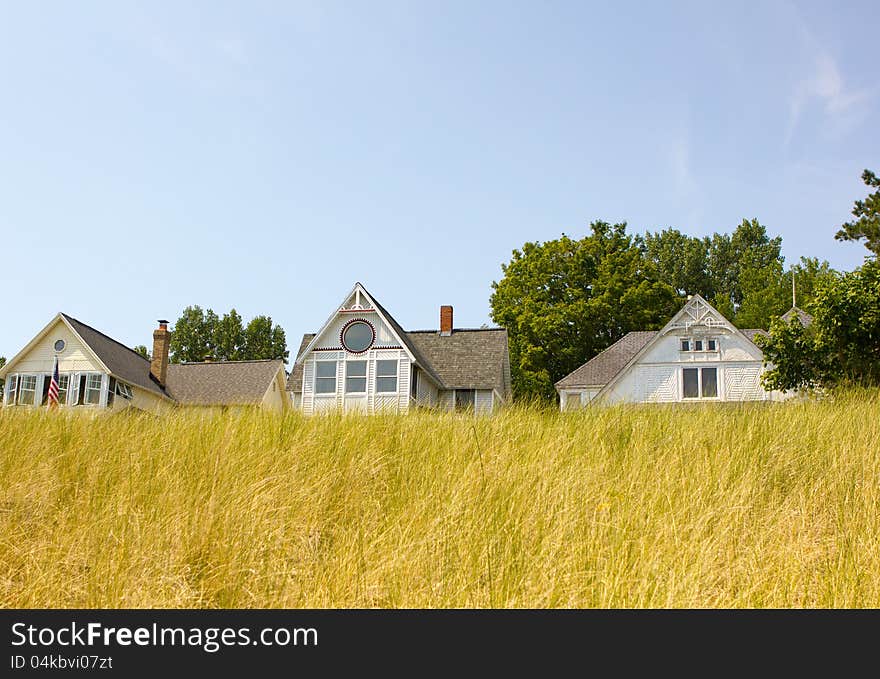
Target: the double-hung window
(386, 376)
(700, 383)
(325, 377)
(355, 377)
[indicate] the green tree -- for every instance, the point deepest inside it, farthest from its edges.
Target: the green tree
(867, 213)
(143, 351)
(843, 343)
(229, 338)
(680, 260)
(264, 340)
(192, 338)
(563, 301)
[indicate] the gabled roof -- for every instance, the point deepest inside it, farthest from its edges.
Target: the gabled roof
(602, 368)
(389, 320)
(467, 359)
(121, 362)
(607, 366)
(796, 312)
(407, 341)
(224, 383)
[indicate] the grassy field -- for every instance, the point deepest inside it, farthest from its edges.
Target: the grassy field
(734, 506)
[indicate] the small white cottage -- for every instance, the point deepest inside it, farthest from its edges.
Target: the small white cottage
(362, 360)
(698, 356)
(98, 374)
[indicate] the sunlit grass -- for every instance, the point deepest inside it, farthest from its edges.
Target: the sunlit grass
(760, 505)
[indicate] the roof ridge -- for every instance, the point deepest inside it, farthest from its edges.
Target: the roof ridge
(247, 360)
(104, 335)
(455, 330)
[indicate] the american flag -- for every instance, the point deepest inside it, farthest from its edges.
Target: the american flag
(53, 386)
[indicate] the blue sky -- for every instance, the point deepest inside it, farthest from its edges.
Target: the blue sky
(265, 156)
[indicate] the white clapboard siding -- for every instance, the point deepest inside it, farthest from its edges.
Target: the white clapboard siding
(403, 382)
(308, 387)
(483, 401)
(41, 357)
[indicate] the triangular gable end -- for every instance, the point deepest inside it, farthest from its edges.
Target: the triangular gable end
(40, 335)
(696, 313)
(358, 300)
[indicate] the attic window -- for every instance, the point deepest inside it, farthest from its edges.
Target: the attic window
(59, 346)
(357, 336)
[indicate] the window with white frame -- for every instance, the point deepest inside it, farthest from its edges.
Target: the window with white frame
(699, 344)
(325, 377)
(92, 395)
(11, 389)
(63, 387)
(355, 377)
(699, 383)
(386, 376)
(123, 390)
(27, 390)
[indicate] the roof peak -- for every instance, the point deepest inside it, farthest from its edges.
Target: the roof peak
(104, 335)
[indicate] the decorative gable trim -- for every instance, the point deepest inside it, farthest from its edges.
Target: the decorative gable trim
(360, 294)
(696, 312)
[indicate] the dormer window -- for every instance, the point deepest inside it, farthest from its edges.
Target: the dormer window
(685, 345)
(698, 345)
(711, 345)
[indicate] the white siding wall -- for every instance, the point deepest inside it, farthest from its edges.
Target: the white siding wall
(371, 401)
(743, 383)
(657, 376)
(427, 394)
(483, 401)
(41, 357)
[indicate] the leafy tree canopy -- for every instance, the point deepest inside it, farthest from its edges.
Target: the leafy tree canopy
(202, 335)
(565, 300)
(866, 224)
(842, 345)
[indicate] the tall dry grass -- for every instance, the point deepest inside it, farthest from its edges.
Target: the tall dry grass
(751, 505)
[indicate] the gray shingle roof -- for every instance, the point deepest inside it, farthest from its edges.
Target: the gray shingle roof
(222, 383)
(123, 363)
(795, 312)
(466, 359)
(602, 368)
(295, 381)
(751, 333)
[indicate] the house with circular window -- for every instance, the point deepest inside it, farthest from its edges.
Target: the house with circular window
(75, 367)
(361, 360)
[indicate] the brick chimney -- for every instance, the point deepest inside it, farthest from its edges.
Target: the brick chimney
(445, 320)
(161, 342)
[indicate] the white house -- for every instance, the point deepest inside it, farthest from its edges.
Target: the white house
(362, 360)
(99, 374)
(697, 356)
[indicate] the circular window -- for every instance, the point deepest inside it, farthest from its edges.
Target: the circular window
(358, 336)
(59, 346)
